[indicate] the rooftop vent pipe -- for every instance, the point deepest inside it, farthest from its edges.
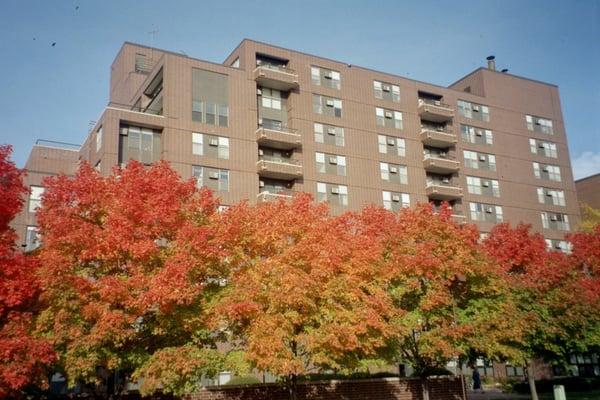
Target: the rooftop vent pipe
(491, 63)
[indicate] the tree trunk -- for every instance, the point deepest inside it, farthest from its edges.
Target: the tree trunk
(425, 387)
(292, 387)
(531, 380)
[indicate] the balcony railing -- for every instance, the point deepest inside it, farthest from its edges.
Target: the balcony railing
(437, 136)
(276, 77)
(440, 164)
(267, 195)
(284, 138)
(57, 145)
(277, 168)
(439, 190)
(435, 110)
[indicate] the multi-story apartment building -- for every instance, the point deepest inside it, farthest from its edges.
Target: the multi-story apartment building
(269, 121)
(588, 190)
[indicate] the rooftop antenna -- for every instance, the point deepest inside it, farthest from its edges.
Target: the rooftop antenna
(152, 33)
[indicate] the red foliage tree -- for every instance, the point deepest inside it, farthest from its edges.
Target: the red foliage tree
(23, 357)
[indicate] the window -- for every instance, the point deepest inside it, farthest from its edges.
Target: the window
(271, 98)
(386, 91)
(99, 139)
(538, 124)
(551, 196)
(388, 118)
(325, 77)
(32, 238)
(513, 371)
(547, 172)
(213, 178)
(394, 201)
(391, 145)
(546, 149)
(334, 194)
(210, 145)
(555, 221)
(393, 173)
(479, 160)
(473, 110)
(210, 97)
(471, 134)
(482, 186)
(141, 64)
(330, 164)
(236, 63)
(329, 134)
(35, 197)
(558, 245)
(140, 144)
(471, 159)
(486, 212)
(327, 105)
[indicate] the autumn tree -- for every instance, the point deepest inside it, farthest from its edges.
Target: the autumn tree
(561, 317)
(128, 264)
(446, 299)
(23, 357)
(302, 294)
(590, 218)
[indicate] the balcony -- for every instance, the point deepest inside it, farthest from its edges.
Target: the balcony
(272, 196)
(439, 164)
(284, 138)
(442, 191)
(279, 169)
(435, 110)
(274, 77)
(437, 137)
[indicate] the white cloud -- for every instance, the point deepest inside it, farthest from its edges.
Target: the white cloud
(588, 163)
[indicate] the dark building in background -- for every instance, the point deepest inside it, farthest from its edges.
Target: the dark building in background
(588, 190)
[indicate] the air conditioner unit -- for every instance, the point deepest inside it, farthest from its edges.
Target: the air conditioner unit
(261, 152)
(386, 88)
(213, 175)
(553, 218)
(329, 103)
(475, 108)
(332, 160)
(214, 142)
(481, 158)
(259, 62)
(445, 180)
(545, 169)
(261, 184)
(489, 210)
(259, 91)
(557, 246)
(537, 122)
(391, 142)
(331, 131)
(393, 170)
(396, 198)
(388, 115)
(485, 184)
(335, 190)
(442, 155)
(479, 133)
(260, 121)
(328, 76)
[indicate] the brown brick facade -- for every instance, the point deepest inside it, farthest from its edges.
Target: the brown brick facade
(447, 388)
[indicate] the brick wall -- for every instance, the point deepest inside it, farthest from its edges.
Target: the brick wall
(446, 388)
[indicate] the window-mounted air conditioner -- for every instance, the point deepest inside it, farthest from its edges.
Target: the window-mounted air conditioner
(331, 131)
(391, 142)
(485, 184)
(442, 155)
(393, 170)
(553, 218)
(481, 158)
(475, 108)
(386, 88)
(261, 152)
(214, 142)
(328, 75)
(445, 180)
(478, 133)
(545, 169)
(213, 175)
(332, 160)
(489, 210)
(329, 103)
(261, 184)
(335, 190)
(259, 91)
(388, 115)
(396, 198)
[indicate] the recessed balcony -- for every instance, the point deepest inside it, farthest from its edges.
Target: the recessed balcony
(435, 110)
(274, 77)
(440, 165)
(284, 138)
(437, 137)
(443, 191)
(279, 169)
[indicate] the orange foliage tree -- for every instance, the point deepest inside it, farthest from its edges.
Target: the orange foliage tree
(23, 357)
(128, 264)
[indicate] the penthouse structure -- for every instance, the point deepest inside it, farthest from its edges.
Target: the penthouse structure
(269, 122)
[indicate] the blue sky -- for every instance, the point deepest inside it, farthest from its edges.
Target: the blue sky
(52, 92)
